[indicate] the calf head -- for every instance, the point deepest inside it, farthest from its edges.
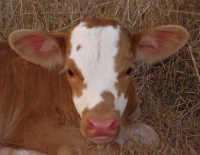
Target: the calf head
(98, 57)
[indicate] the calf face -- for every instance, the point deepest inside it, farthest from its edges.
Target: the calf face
(98, 57)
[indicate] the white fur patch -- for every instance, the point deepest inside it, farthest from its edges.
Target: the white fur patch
(96, 60)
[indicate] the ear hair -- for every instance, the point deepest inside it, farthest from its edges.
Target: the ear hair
(63, 71)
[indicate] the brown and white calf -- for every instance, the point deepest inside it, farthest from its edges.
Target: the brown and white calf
(65, 88)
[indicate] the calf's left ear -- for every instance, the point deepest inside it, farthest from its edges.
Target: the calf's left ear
(158, 43)
(42, 48)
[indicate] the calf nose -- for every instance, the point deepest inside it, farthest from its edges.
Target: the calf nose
(102, 129)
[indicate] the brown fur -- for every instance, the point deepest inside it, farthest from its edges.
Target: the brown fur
(101, 23)
(76, 82)
(36, 109)
(78, 47)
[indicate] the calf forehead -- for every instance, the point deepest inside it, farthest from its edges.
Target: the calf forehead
(94, 48)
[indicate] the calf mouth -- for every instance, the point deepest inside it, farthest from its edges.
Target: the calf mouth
(101, 139)
(101, 124)
(100, 131)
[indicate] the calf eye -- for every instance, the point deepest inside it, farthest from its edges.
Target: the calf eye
(129, 71)
(70, 72)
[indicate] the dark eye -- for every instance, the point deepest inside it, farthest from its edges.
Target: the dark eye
(129, 71)
(70, 72)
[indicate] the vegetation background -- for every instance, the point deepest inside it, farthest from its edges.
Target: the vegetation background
(170, 90)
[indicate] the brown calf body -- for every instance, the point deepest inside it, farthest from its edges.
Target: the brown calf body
(36, 108)
(37, 105)
(33, 109)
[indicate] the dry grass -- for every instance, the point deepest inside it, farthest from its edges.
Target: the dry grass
(170, 90)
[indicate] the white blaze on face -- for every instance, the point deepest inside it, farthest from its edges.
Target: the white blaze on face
(95, 58)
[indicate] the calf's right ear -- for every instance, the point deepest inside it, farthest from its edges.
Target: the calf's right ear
(42, 48)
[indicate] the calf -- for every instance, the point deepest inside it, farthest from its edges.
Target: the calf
(65, 88)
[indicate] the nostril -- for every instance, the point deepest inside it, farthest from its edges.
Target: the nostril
(100, 129)
(105, 125)
(90, 124)
(112, 124)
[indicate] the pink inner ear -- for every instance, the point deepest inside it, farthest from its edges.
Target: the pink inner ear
(161, 40)
(36, 42)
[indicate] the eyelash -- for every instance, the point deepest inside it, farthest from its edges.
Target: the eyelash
(70, 72)
(129, 71)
